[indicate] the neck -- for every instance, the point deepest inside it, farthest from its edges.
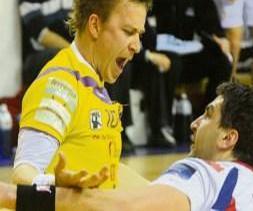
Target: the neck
(225, 156)
(85, 47)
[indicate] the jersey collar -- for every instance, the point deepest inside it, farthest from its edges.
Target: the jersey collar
(79, 56)
(245, 164)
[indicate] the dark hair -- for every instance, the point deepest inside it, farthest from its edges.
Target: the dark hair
(82, 9)
(237, 113)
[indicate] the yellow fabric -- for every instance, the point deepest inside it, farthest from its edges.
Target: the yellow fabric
(62, 104)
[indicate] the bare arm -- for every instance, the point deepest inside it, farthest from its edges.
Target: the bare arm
(234, 36)
(50, 39)
(154, 197)
(24, 174)
(150, 198)
(7, 196)
(160, 60)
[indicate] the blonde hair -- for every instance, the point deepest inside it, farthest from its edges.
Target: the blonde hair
(82, 9)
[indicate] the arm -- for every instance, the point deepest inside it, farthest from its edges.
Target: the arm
(37, 22)
(24, 174)
(7, 196)
(234, 36)
(160, 60)
(50, 39)
(32, 159)
(34, 153)
(155, 197)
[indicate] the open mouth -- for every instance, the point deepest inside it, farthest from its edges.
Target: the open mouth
(121, 62)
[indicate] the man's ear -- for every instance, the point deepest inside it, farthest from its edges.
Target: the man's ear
(94, 25)
(229, 139)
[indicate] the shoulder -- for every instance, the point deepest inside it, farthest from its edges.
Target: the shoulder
(201, 170)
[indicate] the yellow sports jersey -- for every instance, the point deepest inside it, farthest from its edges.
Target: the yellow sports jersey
(69, 102)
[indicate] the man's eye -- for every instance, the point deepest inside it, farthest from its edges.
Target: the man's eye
(207, 114)
(128, 32)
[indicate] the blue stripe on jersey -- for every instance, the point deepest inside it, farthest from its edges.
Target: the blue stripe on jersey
(100, 92)
(226, 191)
(183, 170)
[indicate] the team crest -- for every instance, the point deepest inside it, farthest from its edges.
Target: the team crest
(95, 120)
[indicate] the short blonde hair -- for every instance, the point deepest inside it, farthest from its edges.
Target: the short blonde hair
(82, 9)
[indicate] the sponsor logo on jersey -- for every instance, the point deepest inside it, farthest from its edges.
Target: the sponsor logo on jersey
(63, 90)
(113, 119)
(95, 120)
(50, 118)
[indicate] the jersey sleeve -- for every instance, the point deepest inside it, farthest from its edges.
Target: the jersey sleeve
(190, 178)
(50, 104)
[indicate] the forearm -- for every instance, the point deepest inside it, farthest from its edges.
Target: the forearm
(149, 198)
(50, 39)
(234, 36)
(24, 174)
(34, 153)
(87, 199)
(7, 196)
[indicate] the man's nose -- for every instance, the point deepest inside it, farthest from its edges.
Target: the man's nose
(195, 124)
(135, 45)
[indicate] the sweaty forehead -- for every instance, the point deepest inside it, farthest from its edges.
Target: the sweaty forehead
(215, 105)
(130, 13)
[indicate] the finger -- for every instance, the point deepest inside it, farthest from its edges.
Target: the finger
(90, 182)
(96, 179)
(102, 178)
(104, 175)
(61, 163)
(76, 178)
(104, 171)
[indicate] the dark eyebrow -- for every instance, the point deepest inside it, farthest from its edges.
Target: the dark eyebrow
(141, 31)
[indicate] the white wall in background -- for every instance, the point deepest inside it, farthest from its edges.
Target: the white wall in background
(10, 48)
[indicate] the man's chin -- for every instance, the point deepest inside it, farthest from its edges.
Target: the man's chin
(192, 153)
(111, 80)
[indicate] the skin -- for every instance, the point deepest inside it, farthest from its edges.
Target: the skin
(112, 200)
(162, 62)
(209, 140)
(207, 135)
(234, 36)
(50, 39)
(24, 174)
(109, 45)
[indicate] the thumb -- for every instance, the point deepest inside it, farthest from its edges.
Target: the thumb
(61, 163)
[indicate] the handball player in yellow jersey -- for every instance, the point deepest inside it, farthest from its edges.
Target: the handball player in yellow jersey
(67, 109)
